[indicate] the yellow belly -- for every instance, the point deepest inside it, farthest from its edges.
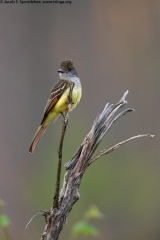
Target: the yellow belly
(61, 105)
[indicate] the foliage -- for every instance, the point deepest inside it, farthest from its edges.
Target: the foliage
(84, 227)
(4, 221)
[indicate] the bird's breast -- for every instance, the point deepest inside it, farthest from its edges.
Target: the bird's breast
(61, 105)
(76, 96)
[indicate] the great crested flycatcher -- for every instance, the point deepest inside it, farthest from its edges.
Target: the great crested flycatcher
(58, 102)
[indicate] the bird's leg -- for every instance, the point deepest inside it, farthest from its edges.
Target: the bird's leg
(65, 119)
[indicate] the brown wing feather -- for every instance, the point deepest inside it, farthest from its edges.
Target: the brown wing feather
(56, 93)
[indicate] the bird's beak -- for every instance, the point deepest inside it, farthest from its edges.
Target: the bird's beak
(60, 70)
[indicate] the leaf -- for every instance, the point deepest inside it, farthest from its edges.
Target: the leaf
(93, 212)
(4, 220)
(84, 229)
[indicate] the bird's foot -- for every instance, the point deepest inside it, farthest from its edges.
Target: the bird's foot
(66, 120)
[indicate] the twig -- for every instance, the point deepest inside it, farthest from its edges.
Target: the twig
(105, 152)
(35, 215)
(58, 178)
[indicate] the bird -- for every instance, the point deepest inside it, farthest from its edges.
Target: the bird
(68, 86)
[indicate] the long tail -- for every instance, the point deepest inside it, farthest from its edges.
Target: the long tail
(36, 138)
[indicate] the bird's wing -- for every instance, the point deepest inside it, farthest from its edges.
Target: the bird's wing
(56, 92)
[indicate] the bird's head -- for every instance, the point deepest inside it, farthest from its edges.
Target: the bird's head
(67, 69)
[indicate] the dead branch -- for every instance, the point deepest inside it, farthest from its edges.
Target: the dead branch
(75, 168)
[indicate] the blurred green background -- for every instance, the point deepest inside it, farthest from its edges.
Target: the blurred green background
(115, 46)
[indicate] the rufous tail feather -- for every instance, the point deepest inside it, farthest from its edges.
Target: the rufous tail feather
(36, 138)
